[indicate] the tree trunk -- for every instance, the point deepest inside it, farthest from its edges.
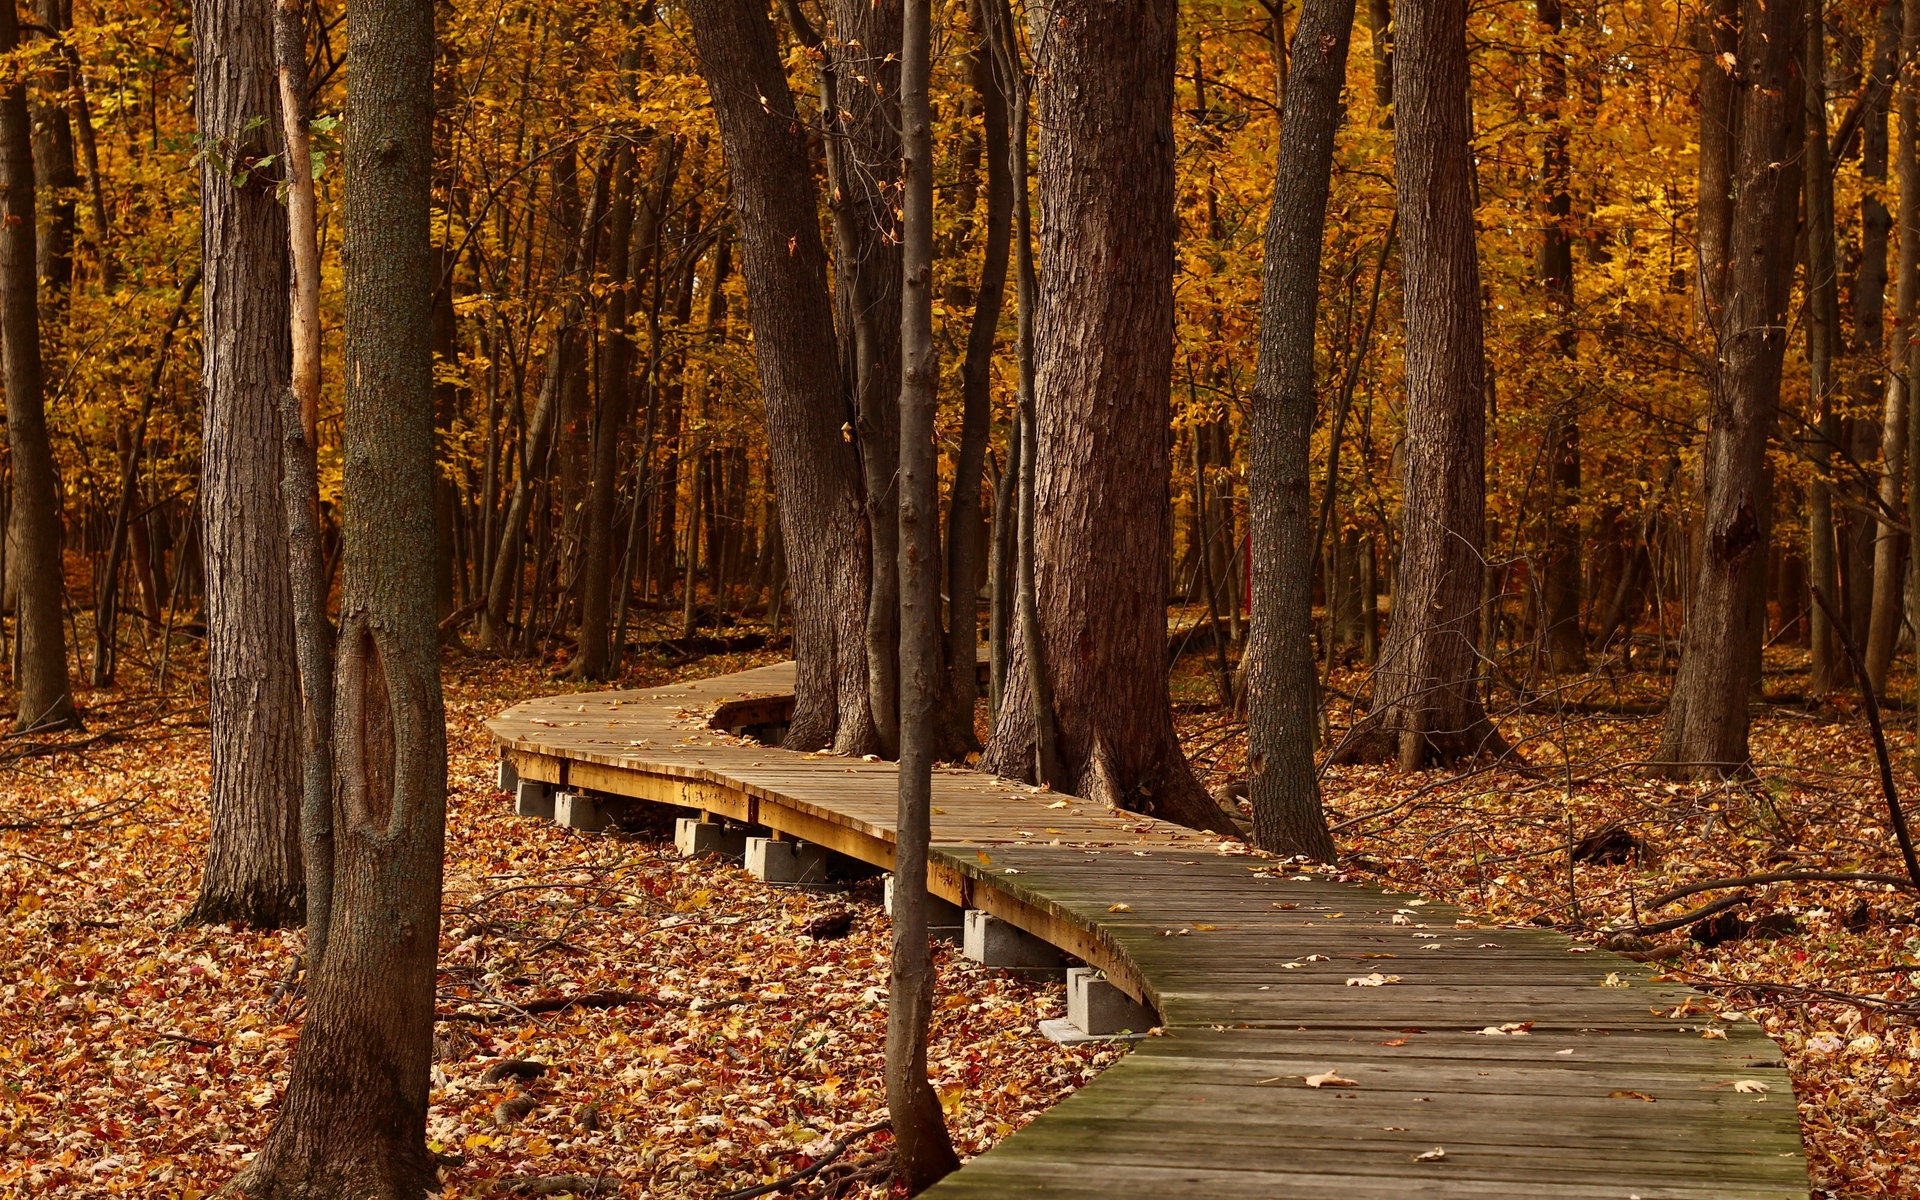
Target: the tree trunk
(1282, 718)
(300, 483)
(1706, 725)
(1718, 36)
(1426, 704)
(45, 699)
(1883, 623)
(1560, 599)
(609, 420)
(816, 473)
(353, 1122)
(976, 389)
(865, 57)
(1102, 441)
(253, 873)
(923, 1152)
(53, 164)
(1823, 342)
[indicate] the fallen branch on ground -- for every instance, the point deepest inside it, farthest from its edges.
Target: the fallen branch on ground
(1685, 919)
(1713, 885)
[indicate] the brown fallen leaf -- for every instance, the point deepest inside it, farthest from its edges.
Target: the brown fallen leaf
(1628, 1094)
(1433, 1155)
(1329, 1078)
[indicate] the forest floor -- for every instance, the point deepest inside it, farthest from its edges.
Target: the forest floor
(138, 1057)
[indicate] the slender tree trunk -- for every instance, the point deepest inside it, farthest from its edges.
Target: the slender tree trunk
(1426, 704)
(1282, 725)
(353, 1122)
(1869, 317)
(45, 699)
(923, 1152)
(1823, 340)
(300, 483)
(1102, 523)
(1000, 616)
(107, 603)
(1706, 725)
(254, 872)
(610, 418)
(54, 167)
(815, 471)
(1565, 640)
(976, 387)
(1883, 624)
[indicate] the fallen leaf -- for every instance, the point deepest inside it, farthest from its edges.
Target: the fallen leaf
(1433, 1155)
(1329, 1078)
(1119, 908)
(1628, 1094)
(1750, 1087)
(1376, 979)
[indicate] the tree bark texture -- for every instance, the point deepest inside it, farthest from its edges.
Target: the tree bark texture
(865, 56)
(609, 421)
(923, 1151)
(1561, 579)
(1823, 344)
(254, 873)
(53, 163)
(815, 470)
(44, 695)
(1705, 731)
(1103, 443)
(1426, 704)
(1282, 719)
(1889, 544)
(353, 1122)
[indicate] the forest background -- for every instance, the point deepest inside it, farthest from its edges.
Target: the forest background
(547, 114)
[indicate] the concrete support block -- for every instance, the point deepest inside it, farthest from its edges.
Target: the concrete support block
(786, 862)
(508, 779)
(695, 838)
(946, 920)
(1099, 1009)
(531, 798)
(577, 810)
(992, 942)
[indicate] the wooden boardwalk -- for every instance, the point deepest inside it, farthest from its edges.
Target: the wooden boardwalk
(1541, 1067)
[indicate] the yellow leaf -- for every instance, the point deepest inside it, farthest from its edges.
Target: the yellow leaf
(985, 859)
(1119, 908)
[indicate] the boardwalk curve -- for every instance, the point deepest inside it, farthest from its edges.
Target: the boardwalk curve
(1537, 1066)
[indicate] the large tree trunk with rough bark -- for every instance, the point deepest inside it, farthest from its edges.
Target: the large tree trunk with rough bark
(253, 871)
(353, 1122)
(1426, 704)
(864, 51)
(44, 696)
(815, 471)
(1281, 715)
(1105, 335)
(1706, 725)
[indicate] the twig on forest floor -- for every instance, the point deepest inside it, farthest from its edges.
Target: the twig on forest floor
(1711, 885)
(834, 1151)
(81, 819)
(1876, 1003)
